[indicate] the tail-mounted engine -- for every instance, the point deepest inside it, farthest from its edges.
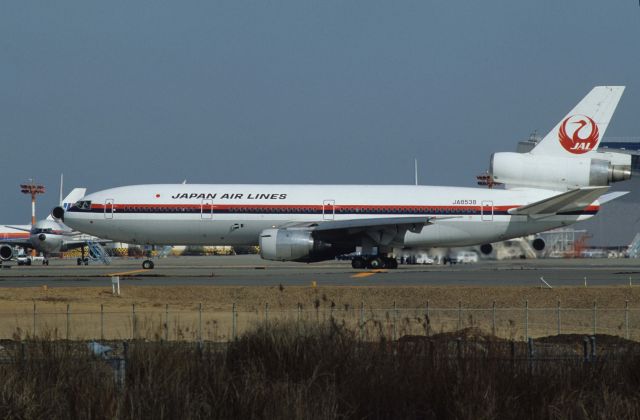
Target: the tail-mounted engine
(559, 172)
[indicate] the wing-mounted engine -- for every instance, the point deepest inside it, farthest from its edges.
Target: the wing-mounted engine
(296, 245)
(6, 252)
(559, 172)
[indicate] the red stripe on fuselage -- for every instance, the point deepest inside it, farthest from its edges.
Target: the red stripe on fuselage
(14, 235)
(297, 206)
(364, 207)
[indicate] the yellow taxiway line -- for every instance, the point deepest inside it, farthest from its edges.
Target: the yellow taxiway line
(367, 274)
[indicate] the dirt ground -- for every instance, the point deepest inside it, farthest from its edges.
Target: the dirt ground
(173, 312)
(250, 298)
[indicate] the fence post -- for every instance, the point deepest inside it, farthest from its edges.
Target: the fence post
(362, 321)
(395, 321)
(133, 321)
(459, 315)
(428, 320)
(526, 319)
(234, 326)
(67, 326)
(493, 323)
(559, 317)
(266, 312)
(34, 319)
(626, 319)
(595, 319)
(200, 322)
(101, 322)
(585, 349)
(166, 322)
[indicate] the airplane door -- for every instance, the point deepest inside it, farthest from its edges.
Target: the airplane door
(328, 209)
(487, 211)
(108, 208)
(206, 209)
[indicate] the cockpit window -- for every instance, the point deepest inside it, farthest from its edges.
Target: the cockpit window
(41, 230)
(83, 204)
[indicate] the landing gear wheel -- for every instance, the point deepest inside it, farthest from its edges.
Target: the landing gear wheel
(357, 263)
(79, 261)
(45, 262)
(375, 263)
(147, 264)
(85, 261)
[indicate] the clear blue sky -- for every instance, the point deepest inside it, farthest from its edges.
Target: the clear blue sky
(123, 92)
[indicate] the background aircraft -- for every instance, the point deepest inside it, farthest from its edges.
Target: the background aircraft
(49, 236)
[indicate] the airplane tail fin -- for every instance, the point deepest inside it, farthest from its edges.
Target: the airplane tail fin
(75, 195)
(581, 130)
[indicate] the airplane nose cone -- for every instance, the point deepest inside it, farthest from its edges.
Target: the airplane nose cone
(42, 237)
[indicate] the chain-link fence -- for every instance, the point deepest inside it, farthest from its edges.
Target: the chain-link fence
(162, 322)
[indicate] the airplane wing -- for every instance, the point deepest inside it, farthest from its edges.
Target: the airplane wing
(574, 200)
(414, 222)
(79, 243)
(21, 242)
(19, 228)
(382, 230)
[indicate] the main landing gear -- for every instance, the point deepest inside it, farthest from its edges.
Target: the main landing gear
(147, 264)
(374, 262)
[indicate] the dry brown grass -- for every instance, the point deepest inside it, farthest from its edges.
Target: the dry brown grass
(287, 297)
(318, 304)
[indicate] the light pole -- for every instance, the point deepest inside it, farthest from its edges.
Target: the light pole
(33, 189)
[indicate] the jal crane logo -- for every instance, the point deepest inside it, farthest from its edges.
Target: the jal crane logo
(583, 135)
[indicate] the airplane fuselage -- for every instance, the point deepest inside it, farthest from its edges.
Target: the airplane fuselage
(202, 214)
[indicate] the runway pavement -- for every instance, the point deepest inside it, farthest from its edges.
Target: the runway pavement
(250, 270)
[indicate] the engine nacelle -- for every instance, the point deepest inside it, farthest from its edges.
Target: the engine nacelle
(538, 244)
(6, 252)
(486, 249)
(293, 245)
(553, 172)
(58, 213)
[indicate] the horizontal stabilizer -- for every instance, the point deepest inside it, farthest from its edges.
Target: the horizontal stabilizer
(574, 200)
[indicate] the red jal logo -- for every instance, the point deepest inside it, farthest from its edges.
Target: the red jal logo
(584, 136)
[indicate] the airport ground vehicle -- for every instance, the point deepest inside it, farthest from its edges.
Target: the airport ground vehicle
(465, 257)
(30, 260)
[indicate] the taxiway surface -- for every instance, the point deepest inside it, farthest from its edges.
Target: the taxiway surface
(250, 270)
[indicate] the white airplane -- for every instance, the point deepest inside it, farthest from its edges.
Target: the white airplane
(47, 236)
(563, 180)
